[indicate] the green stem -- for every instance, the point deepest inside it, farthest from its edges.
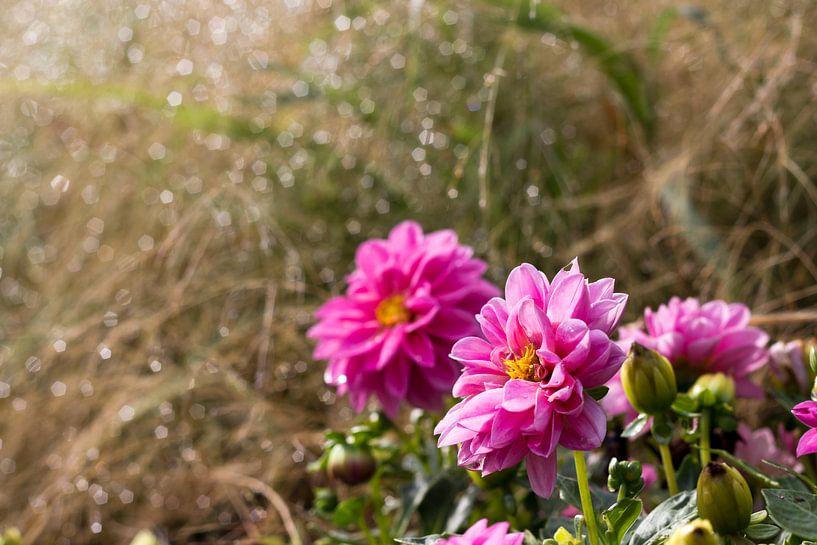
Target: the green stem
(669, 470)
(587, 500)
(364, 527)
(377, 501)
(705, 424)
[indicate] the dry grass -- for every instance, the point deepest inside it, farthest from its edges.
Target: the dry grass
(208, 258)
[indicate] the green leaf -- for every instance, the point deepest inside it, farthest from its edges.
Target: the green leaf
(531, 539)
(440, 502)
(812, 359)
(670, 514)
(348, 512)
(688, 472)
(685, 405)
(789, 471)
(569, 493)
(793, 510)
(619, 518)
(759, 517)
(661, 429)
(598, 392)
(636, 426)
(762, 532)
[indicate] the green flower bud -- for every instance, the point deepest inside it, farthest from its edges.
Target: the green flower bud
(351, 464)
(713, 389)
(724, 498)
(697, 532)
(12, 536)
(626, 475)
(648, 380)
(497, 479)
(144, 537)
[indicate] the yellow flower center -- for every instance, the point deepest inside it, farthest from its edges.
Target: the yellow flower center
(523, 367)
(391, 311)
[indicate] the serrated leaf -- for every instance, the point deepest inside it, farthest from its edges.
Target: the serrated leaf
(636, 426)
(670, 514)
(762, 532)
(793, 510)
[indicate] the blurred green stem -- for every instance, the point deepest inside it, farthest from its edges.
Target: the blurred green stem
(705, 425)
(669, 469)
(587, 499)
(377, 505)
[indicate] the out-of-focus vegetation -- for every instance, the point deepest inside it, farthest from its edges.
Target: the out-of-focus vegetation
(183, 182)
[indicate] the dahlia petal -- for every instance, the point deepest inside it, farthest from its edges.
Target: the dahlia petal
(808, 443)
(586, 430)
(505, 427)
(419, 348)
(492, 319)
(534, 322)
(739, 316)
(472, 350)
(396, 377)
(526, 281)
(471, 384)
(406, 234)
(517, 339)
(393, 338)
(452, 324)
(371, 257)
(567, 298)
(519, 395)
(806, 412)
(542, 474)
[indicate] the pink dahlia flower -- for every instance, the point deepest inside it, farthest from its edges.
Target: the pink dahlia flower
(806, 412)
(525, 383)
(410, 297)
(482, 534)
(754, 446)
(709, 338)
(789, 358)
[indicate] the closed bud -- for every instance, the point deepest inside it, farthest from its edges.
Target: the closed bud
(12, 536)
(713, 389)
(648, 380)
(351, 464)
(724, 498)
(697, 532)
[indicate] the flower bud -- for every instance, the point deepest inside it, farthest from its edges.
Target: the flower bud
(648, 380)
(713, 389)
(11, 536)
(724, 498)
(351, 464)
(697, 532)
(144, 537)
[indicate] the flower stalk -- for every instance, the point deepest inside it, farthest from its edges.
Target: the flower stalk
(587, 500)
(705, 424)
(669, 469)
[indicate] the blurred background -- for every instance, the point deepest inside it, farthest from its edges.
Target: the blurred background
(183, 182)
